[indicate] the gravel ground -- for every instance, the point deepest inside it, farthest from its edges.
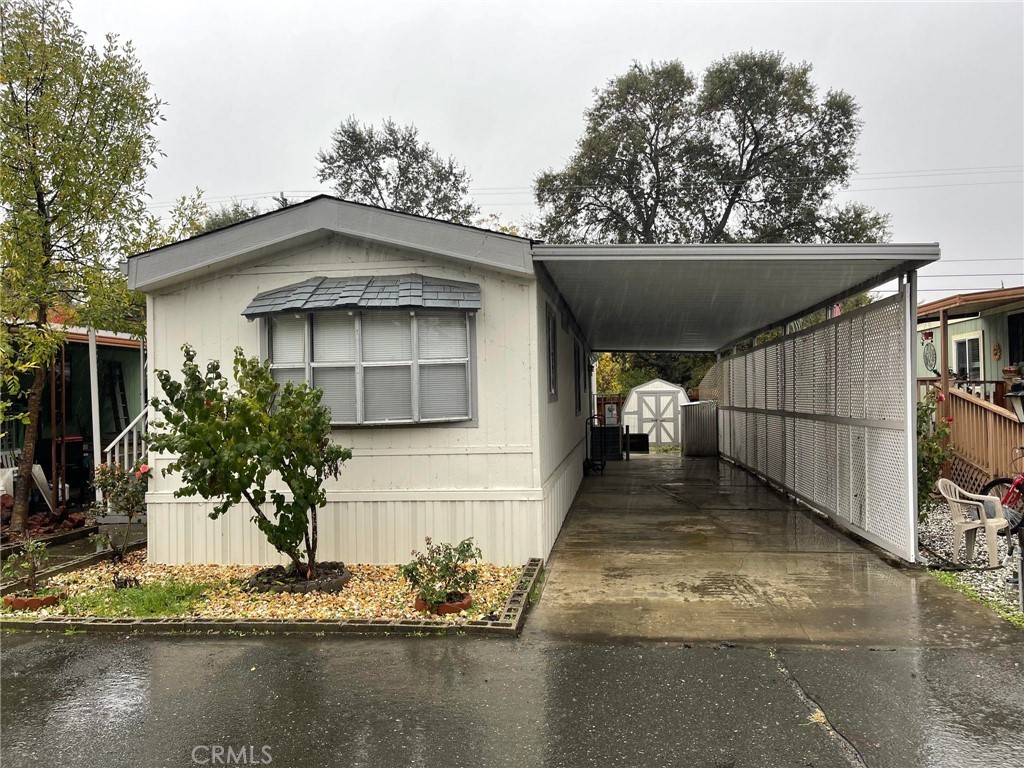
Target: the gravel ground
(375, 592)
(936, 534)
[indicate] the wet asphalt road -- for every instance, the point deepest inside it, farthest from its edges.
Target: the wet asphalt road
(91, 700)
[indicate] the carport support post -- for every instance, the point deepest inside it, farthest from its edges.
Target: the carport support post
(94, 399)
(910, 357)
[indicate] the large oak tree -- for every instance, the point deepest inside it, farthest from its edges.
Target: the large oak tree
(751, 151)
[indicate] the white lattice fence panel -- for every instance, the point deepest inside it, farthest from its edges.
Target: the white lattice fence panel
(823, 414)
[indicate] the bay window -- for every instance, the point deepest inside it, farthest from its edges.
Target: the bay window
(378, 367)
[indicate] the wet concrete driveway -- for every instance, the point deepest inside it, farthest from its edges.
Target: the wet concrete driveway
(699, 551)
(676, 629)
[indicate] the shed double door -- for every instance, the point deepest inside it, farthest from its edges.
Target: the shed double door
(657, 416)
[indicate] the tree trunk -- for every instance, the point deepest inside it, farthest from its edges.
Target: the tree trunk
(311, 544)
(23, 493)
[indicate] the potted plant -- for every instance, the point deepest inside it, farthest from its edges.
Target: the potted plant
(25, 567)
(442, 576)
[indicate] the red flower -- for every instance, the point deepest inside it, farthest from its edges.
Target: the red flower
(949, 419)
(941, 397)
(142, 470)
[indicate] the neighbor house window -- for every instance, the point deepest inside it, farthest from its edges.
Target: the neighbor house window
(378, 367)
(968, 358)
(552, 333)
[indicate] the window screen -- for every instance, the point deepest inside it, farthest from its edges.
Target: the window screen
(387, 336)
(444, 391)
(387, 393)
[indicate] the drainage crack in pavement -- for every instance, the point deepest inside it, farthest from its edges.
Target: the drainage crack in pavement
(818, 716)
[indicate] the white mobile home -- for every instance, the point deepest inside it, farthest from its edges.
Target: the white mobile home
(456, 376)
(455, 360)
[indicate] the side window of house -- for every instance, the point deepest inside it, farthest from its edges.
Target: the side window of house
(378, 367)
(968, 358)
(552, 334)
(577, 375)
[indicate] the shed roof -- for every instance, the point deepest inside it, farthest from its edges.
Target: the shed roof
(380, 291)
(703, 298)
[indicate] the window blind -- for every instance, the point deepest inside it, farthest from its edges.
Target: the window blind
(339, 387)
(286, 340)
(442, 335)
(444, 391)
(334, 338)
(387, 393)
(386, 336)
(294, 375)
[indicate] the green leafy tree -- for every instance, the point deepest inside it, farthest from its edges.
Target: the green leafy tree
(230, 441)
(391, 167)
(749, 152)
(76, 142)
(226, 215)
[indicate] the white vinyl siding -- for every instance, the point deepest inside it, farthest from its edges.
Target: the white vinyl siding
(379, 367)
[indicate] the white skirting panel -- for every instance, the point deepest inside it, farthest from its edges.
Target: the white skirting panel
(506, 530)
(559, 491)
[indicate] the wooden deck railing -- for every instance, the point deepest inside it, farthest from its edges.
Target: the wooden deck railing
(984, 437)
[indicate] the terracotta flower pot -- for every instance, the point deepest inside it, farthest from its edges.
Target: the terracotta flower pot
(444, 608)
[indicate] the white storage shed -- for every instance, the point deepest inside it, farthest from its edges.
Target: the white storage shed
(652, 408)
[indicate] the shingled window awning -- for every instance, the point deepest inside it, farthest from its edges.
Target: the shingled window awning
(318, 294)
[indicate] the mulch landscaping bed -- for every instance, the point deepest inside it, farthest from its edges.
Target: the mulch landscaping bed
(375, 599)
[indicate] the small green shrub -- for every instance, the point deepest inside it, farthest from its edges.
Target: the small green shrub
(26, 565)
(442, 574)
(933, 449)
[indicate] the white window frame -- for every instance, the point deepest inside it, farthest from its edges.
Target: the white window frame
(551, 337)
(577, 375)
(360, 365)
(980, 336)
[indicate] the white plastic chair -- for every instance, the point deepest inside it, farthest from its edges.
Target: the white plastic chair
(970, 512)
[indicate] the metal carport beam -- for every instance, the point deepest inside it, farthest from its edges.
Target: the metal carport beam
(703, 298)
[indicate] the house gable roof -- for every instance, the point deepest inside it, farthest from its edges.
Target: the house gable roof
(376, 292)
(309, 221)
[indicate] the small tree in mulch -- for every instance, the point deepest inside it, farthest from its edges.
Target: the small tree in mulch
(229, 441)
(26, 565)
(124, 493)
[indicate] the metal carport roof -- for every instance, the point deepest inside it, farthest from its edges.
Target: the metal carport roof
(694, 298)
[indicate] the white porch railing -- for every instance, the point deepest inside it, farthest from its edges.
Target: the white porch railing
(129, 446)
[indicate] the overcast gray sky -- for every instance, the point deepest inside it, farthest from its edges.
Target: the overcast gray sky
(255, 88)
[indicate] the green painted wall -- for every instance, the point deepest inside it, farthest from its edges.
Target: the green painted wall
(994, 328)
